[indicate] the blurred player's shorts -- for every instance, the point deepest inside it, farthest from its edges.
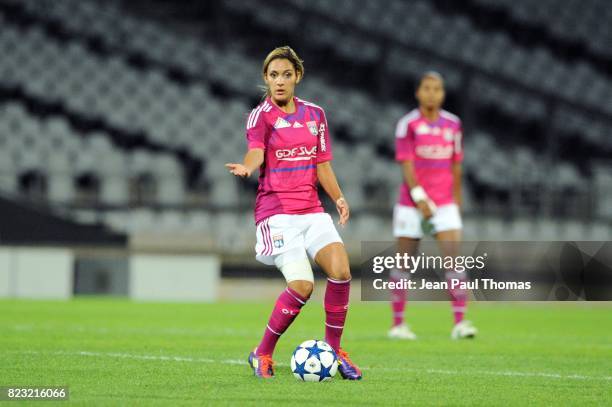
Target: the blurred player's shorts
(408, 220)
(282, 239)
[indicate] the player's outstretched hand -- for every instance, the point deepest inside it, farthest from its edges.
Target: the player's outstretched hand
(343, 210)
(238, 170)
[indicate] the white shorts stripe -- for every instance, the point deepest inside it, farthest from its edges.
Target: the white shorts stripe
(266, 234)
(262, 231)
(263, 235)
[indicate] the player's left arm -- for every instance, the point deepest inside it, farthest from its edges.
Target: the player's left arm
(457, 185)
(325, 172)
(327, 179)
(458, 167)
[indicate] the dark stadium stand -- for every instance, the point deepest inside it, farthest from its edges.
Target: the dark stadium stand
(161, 90)
(29, 224)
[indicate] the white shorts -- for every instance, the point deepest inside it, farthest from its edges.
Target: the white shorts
(407, 220)
(282, 239)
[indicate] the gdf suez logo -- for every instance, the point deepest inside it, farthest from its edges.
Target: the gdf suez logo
(296, 153)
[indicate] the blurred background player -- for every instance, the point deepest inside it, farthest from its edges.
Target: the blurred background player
(288, 140)
(429, 150)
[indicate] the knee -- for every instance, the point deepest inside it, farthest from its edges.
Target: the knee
(302, 287)
(341, 273)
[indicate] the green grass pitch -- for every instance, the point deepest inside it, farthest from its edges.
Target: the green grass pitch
(116, 352)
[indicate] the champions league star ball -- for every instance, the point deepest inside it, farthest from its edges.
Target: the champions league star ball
(314, 361)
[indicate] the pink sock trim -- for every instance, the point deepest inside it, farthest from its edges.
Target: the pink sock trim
(331, 280)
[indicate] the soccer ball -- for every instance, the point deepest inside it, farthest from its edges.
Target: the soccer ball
(314, 361)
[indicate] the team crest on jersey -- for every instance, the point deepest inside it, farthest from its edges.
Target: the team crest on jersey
(297, 125)
(448, 134)
(312, 126)
(281, 123)
(278, 241)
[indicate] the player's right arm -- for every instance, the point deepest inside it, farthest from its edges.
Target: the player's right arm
(255, 134)
(410, 179)
(404, 154)
(253, 159)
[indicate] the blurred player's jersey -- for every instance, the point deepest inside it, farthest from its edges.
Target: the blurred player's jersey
(433, 147)
(293, 146)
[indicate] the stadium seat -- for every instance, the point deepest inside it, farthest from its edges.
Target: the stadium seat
(109, 95)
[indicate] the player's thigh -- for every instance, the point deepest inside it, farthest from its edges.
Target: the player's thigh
(407, 222)
(319, 231)
(448, 226)
(449, 242)
(454, 235)
(295, 267)
(325, 246)
(447, 223)
(334, 261)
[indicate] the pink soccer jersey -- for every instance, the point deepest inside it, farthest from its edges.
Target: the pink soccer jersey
(293, 146)
(433, 147)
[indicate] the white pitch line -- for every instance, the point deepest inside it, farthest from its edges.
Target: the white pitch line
(499, 373)
(140, 357)
(102, 330)
(508, 373)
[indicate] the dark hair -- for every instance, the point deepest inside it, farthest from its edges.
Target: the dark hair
(429, 74)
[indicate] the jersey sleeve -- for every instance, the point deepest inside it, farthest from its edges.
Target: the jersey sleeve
(324, 147)
(256, 130)
(404, 142)
(458, 145)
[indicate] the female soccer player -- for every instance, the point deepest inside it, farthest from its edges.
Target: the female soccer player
(288, 140)
(429, 149)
